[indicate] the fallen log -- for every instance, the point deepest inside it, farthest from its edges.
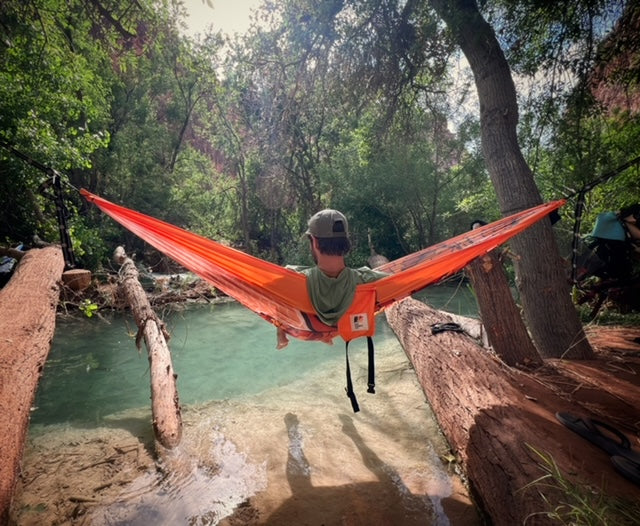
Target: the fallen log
(28, 303)
(497, 420)
(165, 405)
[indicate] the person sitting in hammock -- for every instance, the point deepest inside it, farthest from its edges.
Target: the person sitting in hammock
(330, 283)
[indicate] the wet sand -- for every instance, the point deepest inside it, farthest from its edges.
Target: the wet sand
(294, 454)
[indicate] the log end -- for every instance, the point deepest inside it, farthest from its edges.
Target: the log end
(119, 255)
(77, 279)
(168, 433)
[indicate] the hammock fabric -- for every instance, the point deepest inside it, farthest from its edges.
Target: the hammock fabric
(279, 294)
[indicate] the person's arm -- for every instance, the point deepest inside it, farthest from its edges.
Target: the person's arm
(368, 275)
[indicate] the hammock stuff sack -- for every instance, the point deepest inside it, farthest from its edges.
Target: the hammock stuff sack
(279, 295)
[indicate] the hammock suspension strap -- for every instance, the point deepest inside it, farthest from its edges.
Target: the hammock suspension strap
(371, 384)
(62, 212)
(371, 374)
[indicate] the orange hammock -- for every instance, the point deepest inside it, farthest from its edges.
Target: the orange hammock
(279, 294)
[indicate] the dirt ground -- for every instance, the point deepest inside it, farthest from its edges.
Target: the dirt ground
(71, 479)
(605, 389)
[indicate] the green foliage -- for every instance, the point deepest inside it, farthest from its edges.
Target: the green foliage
(54, 103)
(607, 316)
(581, 124)
(204, 200)
(88, 308)
(89, 245)
(404, 184)
(343, 104)
(552, 36)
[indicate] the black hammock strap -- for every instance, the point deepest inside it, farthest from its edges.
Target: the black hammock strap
(371, 375)
(575, 245)
(371, 381)
(62, 213)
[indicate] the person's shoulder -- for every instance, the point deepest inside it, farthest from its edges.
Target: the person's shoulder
(366, 275)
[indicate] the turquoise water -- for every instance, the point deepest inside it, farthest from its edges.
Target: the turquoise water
(219, 352)
(265, 432)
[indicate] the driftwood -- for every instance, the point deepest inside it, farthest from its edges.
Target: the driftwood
(165, 405)
(491, 414)
(27, 325)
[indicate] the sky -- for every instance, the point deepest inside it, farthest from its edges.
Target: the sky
(233, 16)
(230, 16)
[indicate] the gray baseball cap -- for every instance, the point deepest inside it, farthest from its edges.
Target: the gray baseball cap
(328, 224)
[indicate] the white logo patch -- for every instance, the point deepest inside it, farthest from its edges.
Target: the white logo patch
(359, 322)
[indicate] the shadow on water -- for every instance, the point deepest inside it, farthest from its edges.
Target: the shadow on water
(385, 501)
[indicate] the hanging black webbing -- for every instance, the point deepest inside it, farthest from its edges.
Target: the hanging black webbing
(371, 383)
(349, 388)
(62, 213)
(576, 236)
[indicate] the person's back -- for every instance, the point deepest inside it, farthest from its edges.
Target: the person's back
(330, 283)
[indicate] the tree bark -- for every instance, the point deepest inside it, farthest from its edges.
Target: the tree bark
(487, 411)
(165, 405)
(549, 312)
(500, 316)
(27, 324)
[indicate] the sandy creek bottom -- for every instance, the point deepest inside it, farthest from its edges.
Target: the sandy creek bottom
(292, 453)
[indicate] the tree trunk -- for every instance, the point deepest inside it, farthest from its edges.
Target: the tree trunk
(544, 288)
(165, 405)
(489, 414)
(500, 316)
(27, 324)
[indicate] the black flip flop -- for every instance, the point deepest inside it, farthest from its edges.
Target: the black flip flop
(442, 327)
(628, 468)
(602, 435)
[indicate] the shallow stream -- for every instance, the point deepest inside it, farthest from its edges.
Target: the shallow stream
(269, 435)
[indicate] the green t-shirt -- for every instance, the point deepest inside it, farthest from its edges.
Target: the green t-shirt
(331, 297)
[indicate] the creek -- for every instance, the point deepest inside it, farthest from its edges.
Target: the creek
(272, 426)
